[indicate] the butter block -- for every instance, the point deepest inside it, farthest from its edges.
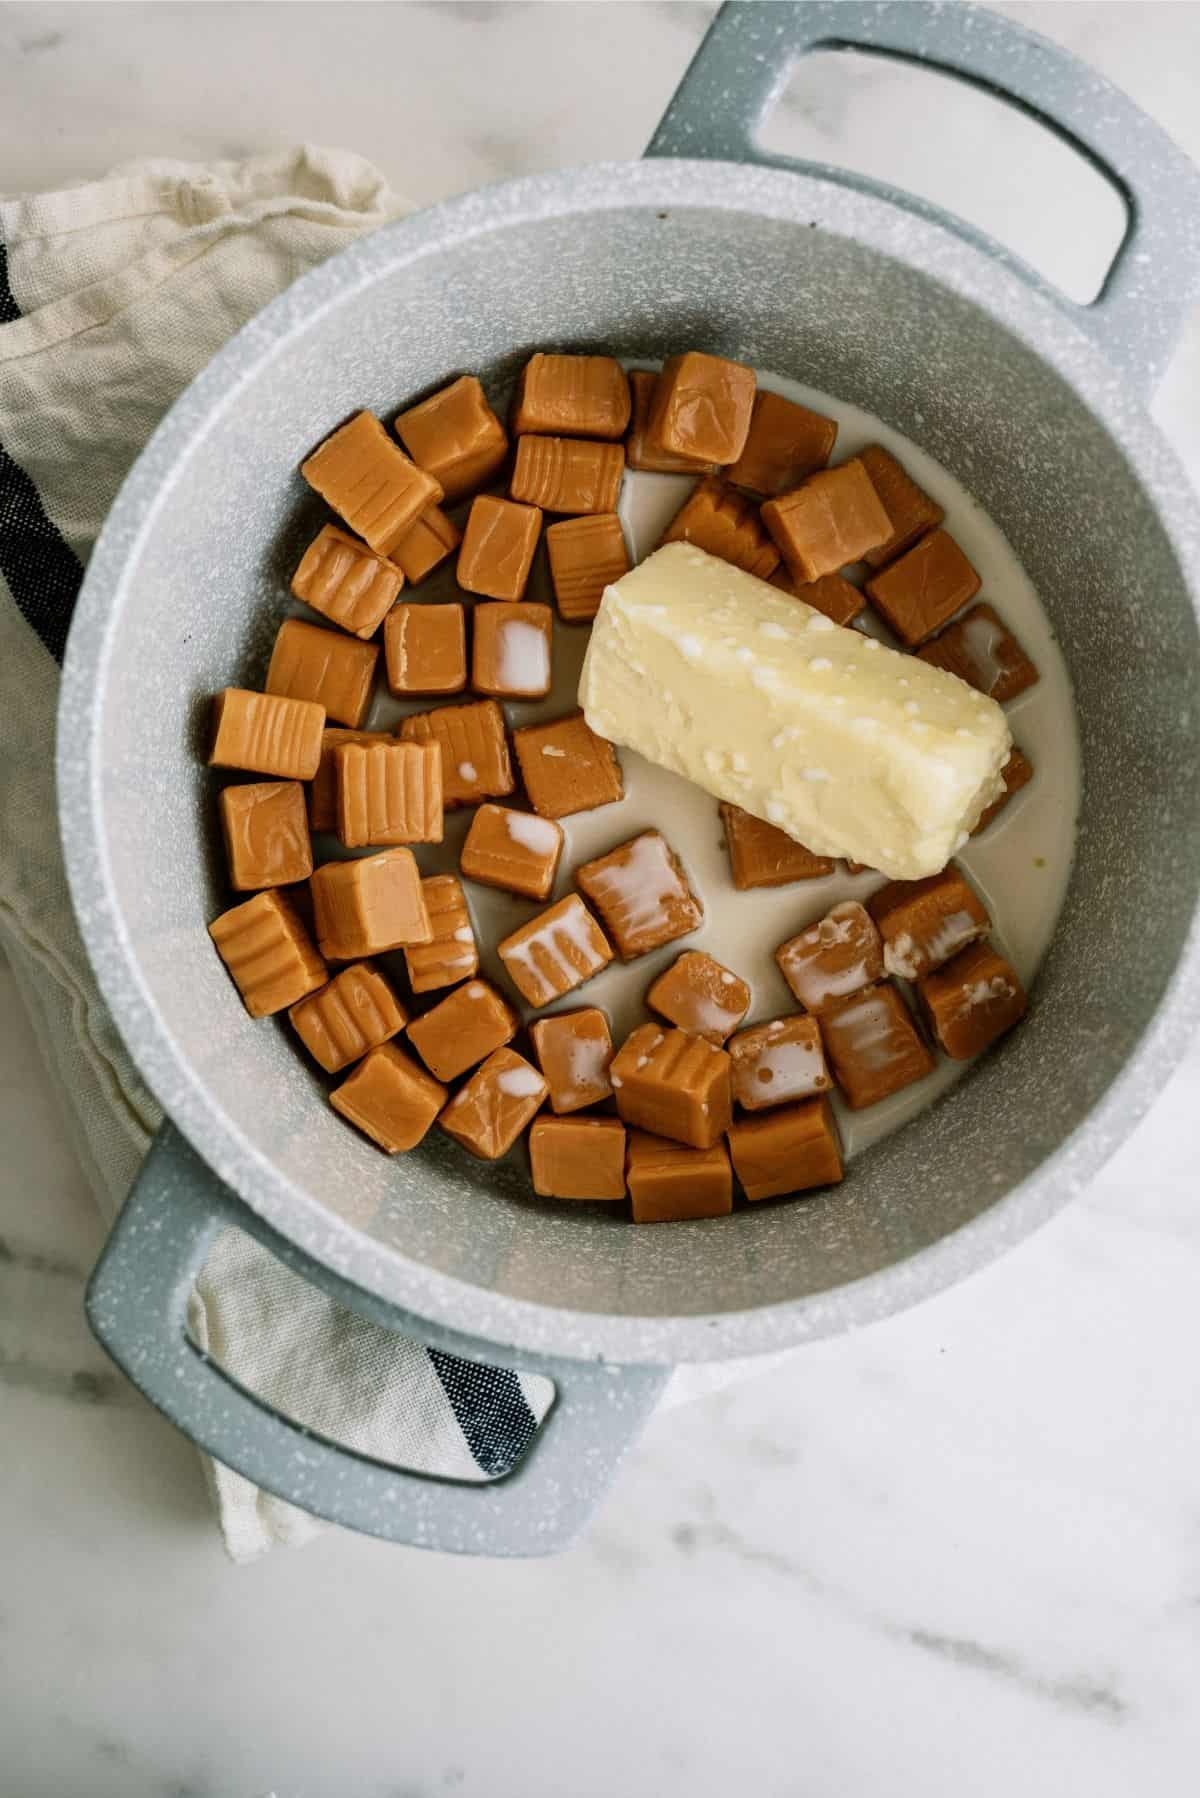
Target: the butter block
(848, 746)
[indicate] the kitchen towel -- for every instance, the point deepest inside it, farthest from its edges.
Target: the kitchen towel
(113, 294)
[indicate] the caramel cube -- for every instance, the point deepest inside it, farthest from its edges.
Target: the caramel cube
(456, 437)
(475, 759)
(266, 835)
(511, 653)
(268, 952)
(566, 767)
(555, 952)
(390, 1098)
(325, 668)
(261, 733)
(839, 954)
(356, 1012)
(1017, 773)
(762, 855)
(345, 581)
(776, 1063)
(673, 1085)
(924, 922)
(489, 1113)
(833, 594)
(578, 1158)
(702, 407)
(370, 482)
(567, 474)
(516, 851)
(982, 650)
(971, 1001)
(462, 1029)
(498, 547)
(642, 894)
(669, 1183)
(834, 518)
(586, 555)
(787, 1151)
(639, 452)
(426, 546)
(388, 793)
(572, 396)
(322, 795)
(700, 997)
(924, 587)
(367, 906)
(574, 1049)
(908, 506)
(726, 524)
(786, 444)
(451, 953)
(425, 648)
(872, 1045)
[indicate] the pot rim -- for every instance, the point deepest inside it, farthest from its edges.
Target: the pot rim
(334, 1243)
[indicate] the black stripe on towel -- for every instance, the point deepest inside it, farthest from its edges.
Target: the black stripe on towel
(41, 569)
(491, 1410)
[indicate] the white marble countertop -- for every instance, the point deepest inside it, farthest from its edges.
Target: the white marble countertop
(956, 1553)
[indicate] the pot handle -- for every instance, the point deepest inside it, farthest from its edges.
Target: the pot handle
(137, 1306)
(743, 65)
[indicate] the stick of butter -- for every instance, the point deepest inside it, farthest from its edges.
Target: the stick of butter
(852, 748)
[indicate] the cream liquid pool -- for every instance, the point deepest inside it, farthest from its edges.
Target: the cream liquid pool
(1020, 864)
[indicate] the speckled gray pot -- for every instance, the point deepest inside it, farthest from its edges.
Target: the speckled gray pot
(812, 274)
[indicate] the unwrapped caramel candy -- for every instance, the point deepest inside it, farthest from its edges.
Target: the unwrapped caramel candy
(837, 955)
(1017, 772)
(345, 581)
(511, 649)
(702, 408)
(370, 482)
(924, 587)
(356, 1012)
(567, 474)
(787, 1151)
(451, 954)
(475, 759)
(456, 437)
(669, 1183)
(425, 648)
(388, 793)
(673, 1085)
(726, 524)
(516, 851)
(426, 546)
(700, 997)
(972, 1001)
(908, 506)
(390, 1098)
(762, 855)
(778, 1062)
(639, 452)
(462, 1029)
(587, 554)
(322, 795)
(786, 444)
(261, 733)
(578, 1158)
(489, 1113)
(555, 952)
(642, 894)
(268, 952)
(367, 906)
(566, 767)
(833, 594)
(982, 650)
(572, 396)
(266, 834)
(325, 667)
(834, 518)
(873, 1045)
(498, 547)
(574, 1049)
(924, 922)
